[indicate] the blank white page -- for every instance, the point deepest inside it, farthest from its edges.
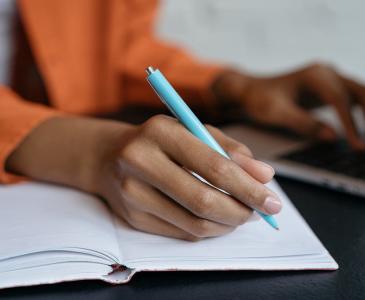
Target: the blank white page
(250, 242)
(37, 217)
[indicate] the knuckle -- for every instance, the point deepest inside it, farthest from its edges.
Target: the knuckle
(220, 167)
(201, 228)
(157, 123)
(203, 204)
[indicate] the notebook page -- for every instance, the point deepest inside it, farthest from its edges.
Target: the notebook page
(53, 274)
(254, 240)
(37, 217)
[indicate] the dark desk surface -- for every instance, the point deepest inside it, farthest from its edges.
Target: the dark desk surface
(338, 220)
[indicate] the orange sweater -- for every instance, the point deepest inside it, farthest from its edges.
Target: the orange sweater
(92, 55)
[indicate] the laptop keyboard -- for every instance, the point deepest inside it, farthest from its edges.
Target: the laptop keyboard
(337, 157)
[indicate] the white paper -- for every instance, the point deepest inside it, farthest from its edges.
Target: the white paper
(39, 218)
(253, 245)
(50, 234)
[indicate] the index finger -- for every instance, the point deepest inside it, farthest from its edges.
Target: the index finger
(221, 172)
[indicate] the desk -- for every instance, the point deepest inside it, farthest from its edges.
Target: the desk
(339, 221)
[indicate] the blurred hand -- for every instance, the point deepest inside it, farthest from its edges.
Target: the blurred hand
(141, 172)
(273, 100)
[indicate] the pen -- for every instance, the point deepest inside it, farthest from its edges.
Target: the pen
(183, 113)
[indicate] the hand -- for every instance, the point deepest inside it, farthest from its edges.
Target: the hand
(146, 185)
(272, 100)
(141, 172)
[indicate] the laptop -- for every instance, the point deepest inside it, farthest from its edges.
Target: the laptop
(334, 165)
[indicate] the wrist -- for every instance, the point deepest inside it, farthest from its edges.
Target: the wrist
(104, 142)
(68, 150)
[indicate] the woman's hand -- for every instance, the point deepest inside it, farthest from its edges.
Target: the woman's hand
(147, 184)
(272, 100)
(141, 171)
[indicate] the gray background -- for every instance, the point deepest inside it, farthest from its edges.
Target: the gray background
(268, 37)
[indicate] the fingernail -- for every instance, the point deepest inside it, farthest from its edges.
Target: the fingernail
(266, 166)
(272, 205)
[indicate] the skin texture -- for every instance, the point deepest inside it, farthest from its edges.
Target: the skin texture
(142, 171)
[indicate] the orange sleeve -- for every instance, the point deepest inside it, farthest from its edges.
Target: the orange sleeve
(17, 119)
(191, 77)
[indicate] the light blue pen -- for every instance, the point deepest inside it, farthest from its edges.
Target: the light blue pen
(183, 113)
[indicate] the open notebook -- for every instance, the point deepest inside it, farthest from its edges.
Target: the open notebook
(50, 234)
